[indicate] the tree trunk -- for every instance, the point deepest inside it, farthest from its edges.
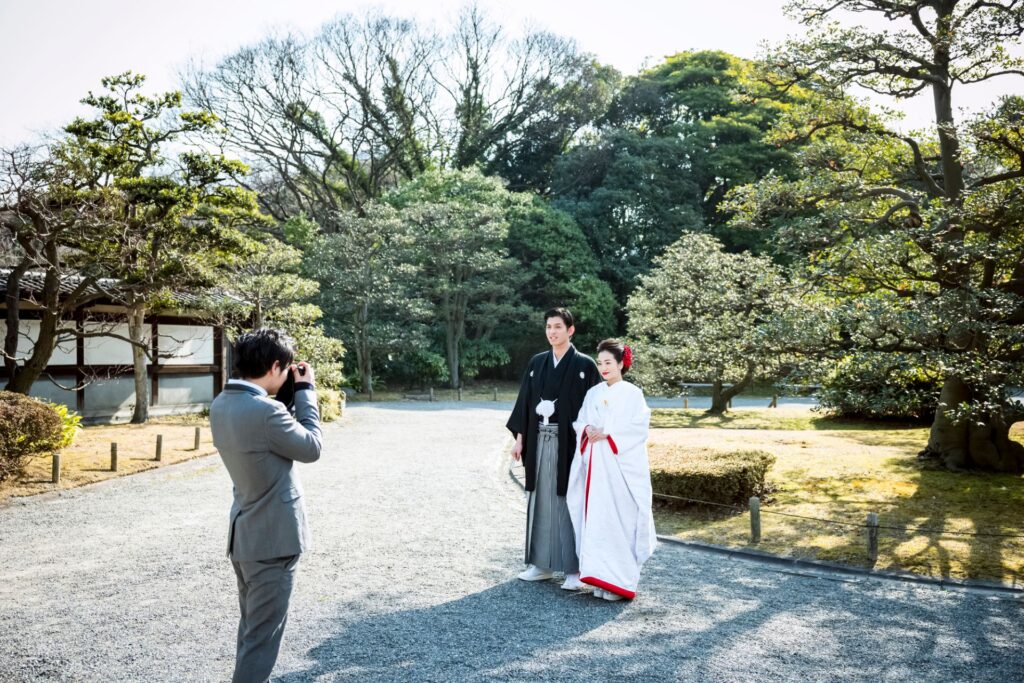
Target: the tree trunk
(949, 143)
(452, 349)
(720, 397)
(365, 361)
(22, 380)
(718, 403)
(363, 353)
(976, 443)
(455, 332)
(42, 350)
(365, 370)
(140, 358)
(12, 299)
(972, 444)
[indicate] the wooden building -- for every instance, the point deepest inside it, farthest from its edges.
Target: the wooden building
(94, 375)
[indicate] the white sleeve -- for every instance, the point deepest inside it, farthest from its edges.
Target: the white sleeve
(584, 418)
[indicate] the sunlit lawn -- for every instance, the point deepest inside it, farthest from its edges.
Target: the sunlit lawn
(790, 417)
(842, 472)
(88, 460)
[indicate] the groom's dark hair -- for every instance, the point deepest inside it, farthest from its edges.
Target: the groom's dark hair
(256, 351)
(562, 313)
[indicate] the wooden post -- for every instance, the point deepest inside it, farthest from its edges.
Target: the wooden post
(113, 457)
(729, 407)
(55, 471)
(495, 393)
(686, 402)
(755, 520)
(460, 393)
(159, 447)
(431, 394)
(873, 536)
(196, 448)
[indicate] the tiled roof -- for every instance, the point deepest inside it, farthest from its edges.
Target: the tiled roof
(32, 282)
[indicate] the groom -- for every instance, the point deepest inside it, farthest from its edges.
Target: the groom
(259, 441)
(549, 399)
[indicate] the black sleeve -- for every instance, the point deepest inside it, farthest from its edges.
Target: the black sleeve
(593, 374)
(518, 423)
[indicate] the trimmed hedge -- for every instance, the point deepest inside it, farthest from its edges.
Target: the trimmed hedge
(727, 477)
(27, 426)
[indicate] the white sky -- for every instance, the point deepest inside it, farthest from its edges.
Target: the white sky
(54, 51)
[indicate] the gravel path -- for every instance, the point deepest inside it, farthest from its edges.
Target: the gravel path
(418, 535)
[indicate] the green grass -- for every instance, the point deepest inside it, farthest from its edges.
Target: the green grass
(844, 473)
(798, 418)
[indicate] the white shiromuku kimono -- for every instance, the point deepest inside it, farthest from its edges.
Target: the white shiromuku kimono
(609, 494)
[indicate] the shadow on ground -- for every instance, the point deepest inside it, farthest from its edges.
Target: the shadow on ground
(464, 637)
(727, 623)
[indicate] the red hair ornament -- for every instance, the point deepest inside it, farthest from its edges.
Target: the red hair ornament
(627, 358)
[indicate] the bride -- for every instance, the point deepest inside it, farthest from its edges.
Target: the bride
(609, 495)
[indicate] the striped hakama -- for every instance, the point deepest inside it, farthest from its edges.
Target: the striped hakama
(550, 542)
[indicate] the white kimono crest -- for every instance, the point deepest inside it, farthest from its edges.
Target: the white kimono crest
(609, 495)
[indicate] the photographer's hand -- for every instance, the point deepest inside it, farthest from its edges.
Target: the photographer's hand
(303, 372)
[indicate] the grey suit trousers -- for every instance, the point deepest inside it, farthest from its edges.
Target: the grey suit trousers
(264, 590)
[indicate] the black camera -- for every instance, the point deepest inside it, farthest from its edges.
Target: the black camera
(286, 394)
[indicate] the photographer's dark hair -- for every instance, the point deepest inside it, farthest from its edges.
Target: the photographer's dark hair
(562, 313)
(618, 351)
(255, 352)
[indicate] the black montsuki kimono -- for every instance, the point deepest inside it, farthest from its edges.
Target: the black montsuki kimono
(569, 382)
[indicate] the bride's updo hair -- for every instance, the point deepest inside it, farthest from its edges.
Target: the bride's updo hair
(622, 353)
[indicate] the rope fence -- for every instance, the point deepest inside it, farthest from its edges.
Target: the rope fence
(756, 509)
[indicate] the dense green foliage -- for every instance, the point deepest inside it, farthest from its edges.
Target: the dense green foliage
(459, 240)
(674, 141)
(366, 289)
(702, 315)
(879, 385)
(558, 268)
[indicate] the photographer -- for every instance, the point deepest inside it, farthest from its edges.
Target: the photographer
(259, 440)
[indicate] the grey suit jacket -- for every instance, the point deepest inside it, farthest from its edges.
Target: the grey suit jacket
(259, 441)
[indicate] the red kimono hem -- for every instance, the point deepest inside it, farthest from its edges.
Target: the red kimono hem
(610, 587)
